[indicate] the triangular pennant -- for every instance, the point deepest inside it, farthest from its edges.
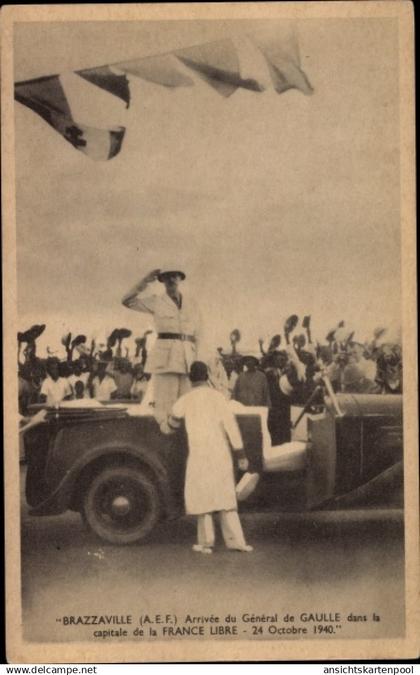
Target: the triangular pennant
(104, 78)
(43, 95)
(286, 75)
(217, 64)
(283, 62)
(157, 69)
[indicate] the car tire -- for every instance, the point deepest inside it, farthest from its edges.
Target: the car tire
(121, 505)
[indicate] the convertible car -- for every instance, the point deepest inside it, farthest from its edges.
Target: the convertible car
(112, 464)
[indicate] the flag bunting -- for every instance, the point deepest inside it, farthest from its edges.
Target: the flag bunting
(216, 63)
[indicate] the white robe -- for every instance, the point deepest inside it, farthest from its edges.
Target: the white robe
(210, 422)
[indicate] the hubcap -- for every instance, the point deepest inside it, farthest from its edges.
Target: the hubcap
(120, 505)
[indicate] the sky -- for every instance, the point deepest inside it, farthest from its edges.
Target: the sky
(272, 204)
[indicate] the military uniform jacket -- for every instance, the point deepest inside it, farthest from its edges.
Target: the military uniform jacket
(171, 356)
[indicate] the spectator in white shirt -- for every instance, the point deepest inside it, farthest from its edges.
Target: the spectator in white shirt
(103, 384)
(54, 388)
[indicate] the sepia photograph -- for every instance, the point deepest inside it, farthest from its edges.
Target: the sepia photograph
(210, 351)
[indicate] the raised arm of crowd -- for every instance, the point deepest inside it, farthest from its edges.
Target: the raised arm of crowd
(287, 368)
(102, 372)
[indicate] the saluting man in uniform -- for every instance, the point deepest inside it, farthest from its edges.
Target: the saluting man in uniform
(177, 324)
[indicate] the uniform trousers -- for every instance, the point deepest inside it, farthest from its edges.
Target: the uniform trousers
(168, 387)
(230, 525)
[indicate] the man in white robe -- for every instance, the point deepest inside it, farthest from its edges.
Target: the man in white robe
(209, 480)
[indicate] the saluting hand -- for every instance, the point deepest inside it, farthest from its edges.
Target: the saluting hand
(143, 283)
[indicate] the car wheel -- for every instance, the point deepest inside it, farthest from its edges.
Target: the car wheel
(121, 505)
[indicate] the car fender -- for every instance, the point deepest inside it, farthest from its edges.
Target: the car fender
(62, 497)
(384, 490)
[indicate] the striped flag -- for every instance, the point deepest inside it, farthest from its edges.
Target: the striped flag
(98, 144)
(46, 97)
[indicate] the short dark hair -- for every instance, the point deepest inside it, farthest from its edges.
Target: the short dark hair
(251, 360)
(199, 372)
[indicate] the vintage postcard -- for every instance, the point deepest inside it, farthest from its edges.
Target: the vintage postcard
(210, 332)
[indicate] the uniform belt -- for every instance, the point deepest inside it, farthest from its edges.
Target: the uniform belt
(176, 336)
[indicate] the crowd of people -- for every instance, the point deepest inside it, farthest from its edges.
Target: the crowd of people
(286, 370)
(289, 370)
(86, 372)
(178, 385)
(373, 366)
